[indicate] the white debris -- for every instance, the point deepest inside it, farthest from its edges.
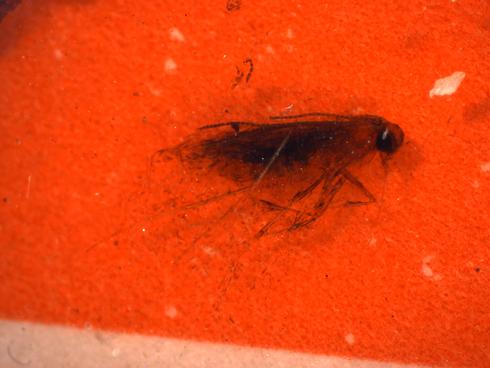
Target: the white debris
(350, 339)
(171, 311)
(485, 167)
(170, 65)
(447, 85)
(176, 35)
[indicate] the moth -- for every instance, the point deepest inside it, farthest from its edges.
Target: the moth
(311, 152)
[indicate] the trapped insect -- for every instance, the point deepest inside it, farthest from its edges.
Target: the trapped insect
(308, 152)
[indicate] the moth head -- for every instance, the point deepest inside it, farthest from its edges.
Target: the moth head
(390, 138)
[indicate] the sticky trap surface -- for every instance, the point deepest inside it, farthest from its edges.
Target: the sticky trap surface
(95, 233)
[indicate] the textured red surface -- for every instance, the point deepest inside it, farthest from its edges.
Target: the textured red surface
(90, 89)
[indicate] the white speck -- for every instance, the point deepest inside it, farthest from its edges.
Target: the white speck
(170, 65)
(427, 270)
(28, 190)
(115, 352)
(143, 230)
(350, 339)
(447, 85)
(171, 311)
(269, 49)
(154, 91)
(96, 194)
(289, 33)
(209, 251)
(176, 35)
(58, 54)
(485, 167)
(288, 107)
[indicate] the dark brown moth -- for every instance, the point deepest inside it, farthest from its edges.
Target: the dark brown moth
(315, 150)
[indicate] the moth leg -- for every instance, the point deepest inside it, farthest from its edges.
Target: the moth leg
(277, 207)
(217, 197)
(296, 198)
(303, 193)
(327, 195)
(357, 183)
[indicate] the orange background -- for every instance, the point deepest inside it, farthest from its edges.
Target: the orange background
(90, 89)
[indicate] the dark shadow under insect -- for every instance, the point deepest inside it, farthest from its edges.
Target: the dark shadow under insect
(250, 153)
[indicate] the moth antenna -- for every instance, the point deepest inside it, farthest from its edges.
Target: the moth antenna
(233, 124)
(311, 114)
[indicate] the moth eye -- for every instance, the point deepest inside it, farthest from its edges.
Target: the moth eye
(388, 142)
